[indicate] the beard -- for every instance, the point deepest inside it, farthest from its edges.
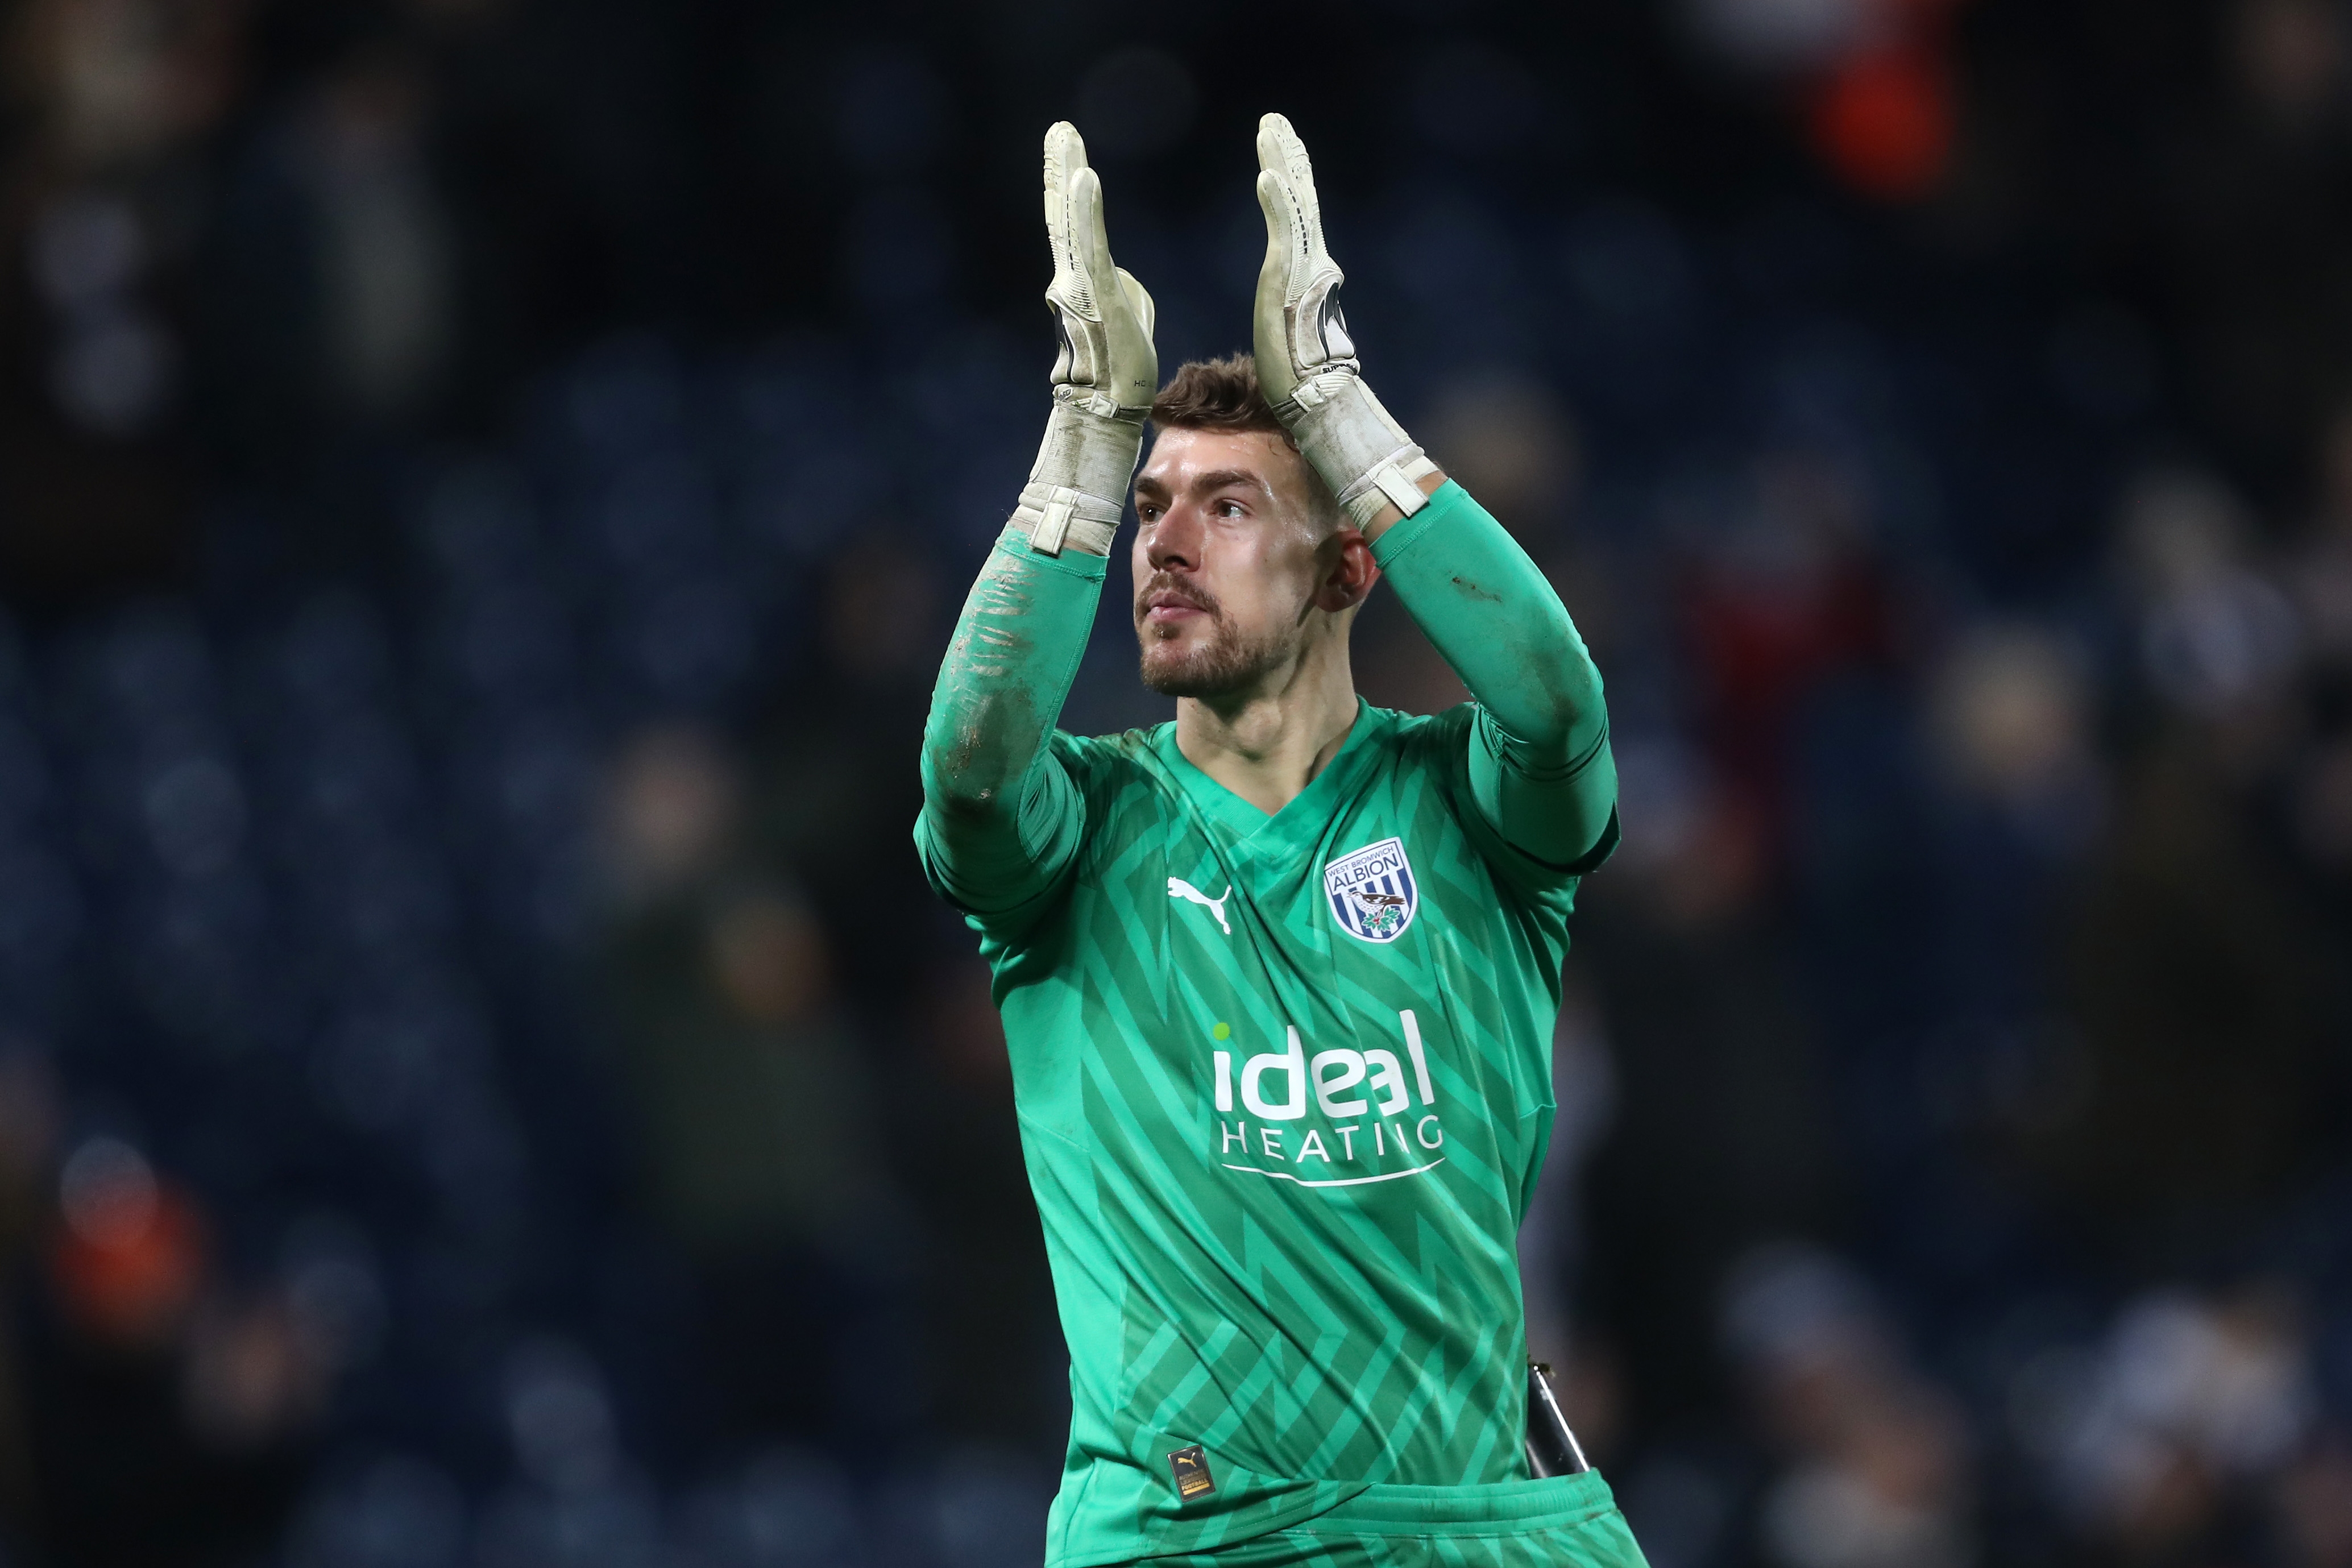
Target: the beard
(1226, 663)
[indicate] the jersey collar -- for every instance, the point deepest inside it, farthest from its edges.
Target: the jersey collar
(1302, 821)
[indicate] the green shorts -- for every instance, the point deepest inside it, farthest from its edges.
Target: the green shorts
(1569, 1519)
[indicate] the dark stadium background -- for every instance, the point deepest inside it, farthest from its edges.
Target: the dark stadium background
(484, 485)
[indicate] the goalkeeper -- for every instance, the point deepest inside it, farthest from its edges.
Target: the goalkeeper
(1278, 978)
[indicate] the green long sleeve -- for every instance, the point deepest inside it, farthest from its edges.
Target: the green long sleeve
(1540, 769)
(1002, 820)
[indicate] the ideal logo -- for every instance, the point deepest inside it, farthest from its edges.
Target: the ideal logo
(1373, 891)
(1367, 1085)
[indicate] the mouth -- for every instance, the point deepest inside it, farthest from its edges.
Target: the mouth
(1167, 605)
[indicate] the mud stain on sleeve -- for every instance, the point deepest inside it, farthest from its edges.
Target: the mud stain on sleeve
(1472, 590)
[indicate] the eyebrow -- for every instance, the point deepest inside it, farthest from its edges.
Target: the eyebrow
(1219, 479)
(1215, 480)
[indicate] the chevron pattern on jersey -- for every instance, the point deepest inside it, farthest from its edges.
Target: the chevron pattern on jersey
(1283, 1089)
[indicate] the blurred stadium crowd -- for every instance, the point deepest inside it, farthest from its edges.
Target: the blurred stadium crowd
(486, 486)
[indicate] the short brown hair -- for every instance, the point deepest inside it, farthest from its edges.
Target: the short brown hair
(1217, 395)
(1224, 395)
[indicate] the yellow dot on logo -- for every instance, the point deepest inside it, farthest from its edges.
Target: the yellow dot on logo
(1222, 1031)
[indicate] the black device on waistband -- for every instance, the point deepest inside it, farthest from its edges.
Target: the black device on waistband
(1552, 1448)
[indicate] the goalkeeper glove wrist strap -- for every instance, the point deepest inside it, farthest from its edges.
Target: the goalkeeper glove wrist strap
(1078, 488)
(1350, 440)
(1056, 518)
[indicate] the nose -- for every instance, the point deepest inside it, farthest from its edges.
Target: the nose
(1174, 542)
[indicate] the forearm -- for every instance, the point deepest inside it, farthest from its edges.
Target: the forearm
(1539, 760)
(1491, 613)
(999, 819)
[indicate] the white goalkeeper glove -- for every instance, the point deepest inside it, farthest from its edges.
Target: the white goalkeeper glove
(1105, 377)
(1305, 362)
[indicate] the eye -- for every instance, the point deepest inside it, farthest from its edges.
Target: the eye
(1230, 508)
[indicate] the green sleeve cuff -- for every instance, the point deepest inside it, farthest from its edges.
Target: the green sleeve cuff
(1450, 499)
(1080, 564)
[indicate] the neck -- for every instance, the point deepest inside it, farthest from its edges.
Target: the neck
(1269, 742)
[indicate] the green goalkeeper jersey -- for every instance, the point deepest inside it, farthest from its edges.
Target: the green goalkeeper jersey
(1284, 1082)
(1283, 1085)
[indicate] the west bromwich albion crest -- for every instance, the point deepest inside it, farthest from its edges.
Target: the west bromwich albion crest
(1373, 891)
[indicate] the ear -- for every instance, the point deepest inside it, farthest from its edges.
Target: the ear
(1348, 570)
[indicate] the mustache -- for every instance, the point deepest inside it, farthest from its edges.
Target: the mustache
(1178, 590)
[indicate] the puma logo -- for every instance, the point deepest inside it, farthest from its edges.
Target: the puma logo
(1178, 887)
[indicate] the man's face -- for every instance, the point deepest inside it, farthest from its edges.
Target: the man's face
(1231, 562)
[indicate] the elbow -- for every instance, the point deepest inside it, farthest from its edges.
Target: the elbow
(1573, 706)
(975, 754)
(1560, 698)
(962, 784)
(963, 806)
(1556, 711)
(1559, 716)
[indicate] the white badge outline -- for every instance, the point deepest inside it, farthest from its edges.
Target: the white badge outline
(1411, 895)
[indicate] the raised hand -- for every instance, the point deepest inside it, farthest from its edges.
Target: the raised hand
(1305, 361)
(1107, 351)
(1298, 328)
(1104, 376)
